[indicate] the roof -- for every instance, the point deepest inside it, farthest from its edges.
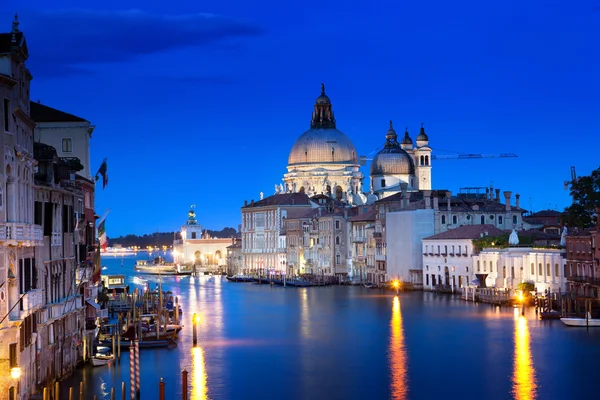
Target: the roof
(469, 232)
(364, 217)
(42, 113)
(284, 199)
(6, 44)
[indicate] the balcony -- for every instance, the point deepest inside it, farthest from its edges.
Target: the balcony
(359, 239)
(58, 310)
(18, 233)
(32, 300)
(379, 257)
(584, 279)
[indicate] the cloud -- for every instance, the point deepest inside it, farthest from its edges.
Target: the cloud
(75, 37)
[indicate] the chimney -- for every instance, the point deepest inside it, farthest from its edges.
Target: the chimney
(427, 194)
(252, 202)
(405, 199)
(245, 203)
(436, 204)
(498, 195)
(488, 195)
(262, 196)
(517, 201)
(507, 200)
(448, 200)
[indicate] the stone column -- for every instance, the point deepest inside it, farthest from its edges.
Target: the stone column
(507, 196)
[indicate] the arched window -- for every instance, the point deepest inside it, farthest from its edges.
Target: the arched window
(426, 160)
(532, 269)
(339, 192)
(500, 219)
(422, 160)
(338, 259)
(540, 272)
(443, 219)
(556, 271)
(504, 272)
(514, 219)
(484, 266)
(301, 189)
(482, 219)
(454, 219)
(337, 239)
(478, 266)
(548, 269)
(337, 224)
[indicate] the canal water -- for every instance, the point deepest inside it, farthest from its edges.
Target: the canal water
(262, 342)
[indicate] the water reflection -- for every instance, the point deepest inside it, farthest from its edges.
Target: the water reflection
(524, 382)
(397, 354)
(304, 314)
(199, 377)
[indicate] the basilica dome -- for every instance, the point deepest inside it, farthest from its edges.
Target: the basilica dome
(323, 143)
(392, 159)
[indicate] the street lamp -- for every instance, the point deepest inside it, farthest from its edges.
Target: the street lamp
(15, 372)
(396, 285)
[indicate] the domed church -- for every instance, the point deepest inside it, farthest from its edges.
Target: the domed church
(323, 160)
(400, 165)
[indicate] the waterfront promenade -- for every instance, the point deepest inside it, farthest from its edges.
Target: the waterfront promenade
(342, 342)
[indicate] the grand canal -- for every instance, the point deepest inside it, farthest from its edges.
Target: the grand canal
(261, 342)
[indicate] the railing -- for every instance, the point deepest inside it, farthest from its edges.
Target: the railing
(584, 279)
(102, 313)
(83, 273)
(21, 233)
(358, 239)
(57, 310)
(56, 239)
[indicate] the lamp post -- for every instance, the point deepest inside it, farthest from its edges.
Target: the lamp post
(396, 285)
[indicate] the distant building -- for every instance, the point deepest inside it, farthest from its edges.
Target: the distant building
(547, 221)
(197, 248)
(581, 263)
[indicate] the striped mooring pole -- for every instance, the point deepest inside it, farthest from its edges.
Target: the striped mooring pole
(137, 369)
(131, 371)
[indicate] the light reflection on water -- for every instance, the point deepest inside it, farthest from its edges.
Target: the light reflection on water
(199, 377)
(399, 384)
(524, 380)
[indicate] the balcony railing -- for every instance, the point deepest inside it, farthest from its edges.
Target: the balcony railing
(584, 279)
(358, 239)
(57, 310)
(15, 233)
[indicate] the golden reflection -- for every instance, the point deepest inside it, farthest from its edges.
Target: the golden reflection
(524, 383)
(399, 387)
(199, 378)
(304, 316)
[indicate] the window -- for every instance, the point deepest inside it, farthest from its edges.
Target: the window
(337, 224)
(556, 270)
(383, 183)
(484, 267)
(337, 240)
(500, 219)
(482, 219)
(12, 355)
(478, 267)
(338, 259)
(454, 219)
(6, 115)
(540, 272)
(193, 235)
(443, 219)
(427, 280)
(504, 272)
(548, 269)
(532, 269)
(67, 145)
(512, 272)
(514, 219)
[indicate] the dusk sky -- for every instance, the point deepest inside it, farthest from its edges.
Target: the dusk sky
(201, 102)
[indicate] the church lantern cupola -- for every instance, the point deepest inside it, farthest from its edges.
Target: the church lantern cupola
(322, 117)
(407, 142)
(422, 138)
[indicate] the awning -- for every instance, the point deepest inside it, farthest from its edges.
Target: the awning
(93, 304)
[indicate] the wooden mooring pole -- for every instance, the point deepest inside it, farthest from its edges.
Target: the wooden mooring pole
(184, 384)
(161, 389)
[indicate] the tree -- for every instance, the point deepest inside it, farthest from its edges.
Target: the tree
(586, 197)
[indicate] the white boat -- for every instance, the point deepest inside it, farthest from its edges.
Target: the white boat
(102, 359)
(158, 266)
(584, 322)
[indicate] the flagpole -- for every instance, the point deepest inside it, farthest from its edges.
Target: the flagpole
(102, 218)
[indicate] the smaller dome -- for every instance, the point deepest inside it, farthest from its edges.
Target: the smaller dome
(392, 161)
(422, 137)
(406, 139)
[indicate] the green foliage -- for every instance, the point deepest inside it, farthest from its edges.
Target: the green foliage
(526, 287)
(586, 197)
(500, 241)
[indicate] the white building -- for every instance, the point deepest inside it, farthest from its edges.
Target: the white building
(447, 256)
(68, 134)
(197, 248)
(506, 268)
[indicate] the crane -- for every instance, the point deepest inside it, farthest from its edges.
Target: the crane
(573, 179)
(469, 156)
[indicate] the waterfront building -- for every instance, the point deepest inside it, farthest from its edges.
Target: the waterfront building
(298, 230)
(399, 234)
(20, 284)
(399, 163)
(263, 230)
(197, 248)
(507, 267)
(323, 160)
(234, 257)
(363, 247)
(581, 263)
(69, 134)
(447, 263)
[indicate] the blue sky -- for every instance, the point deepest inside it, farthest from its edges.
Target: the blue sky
(201, 102)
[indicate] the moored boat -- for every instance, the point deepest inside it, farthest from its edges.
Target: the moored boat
(158, 266)
(582, 322)
(102, 359)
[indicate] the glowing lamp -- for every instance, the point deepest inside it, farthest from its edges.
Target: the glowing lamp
(15, 372)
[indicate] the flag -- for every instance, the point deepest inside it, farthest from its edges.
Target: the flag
(102, 235)
(97, 275)
(103, 170)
